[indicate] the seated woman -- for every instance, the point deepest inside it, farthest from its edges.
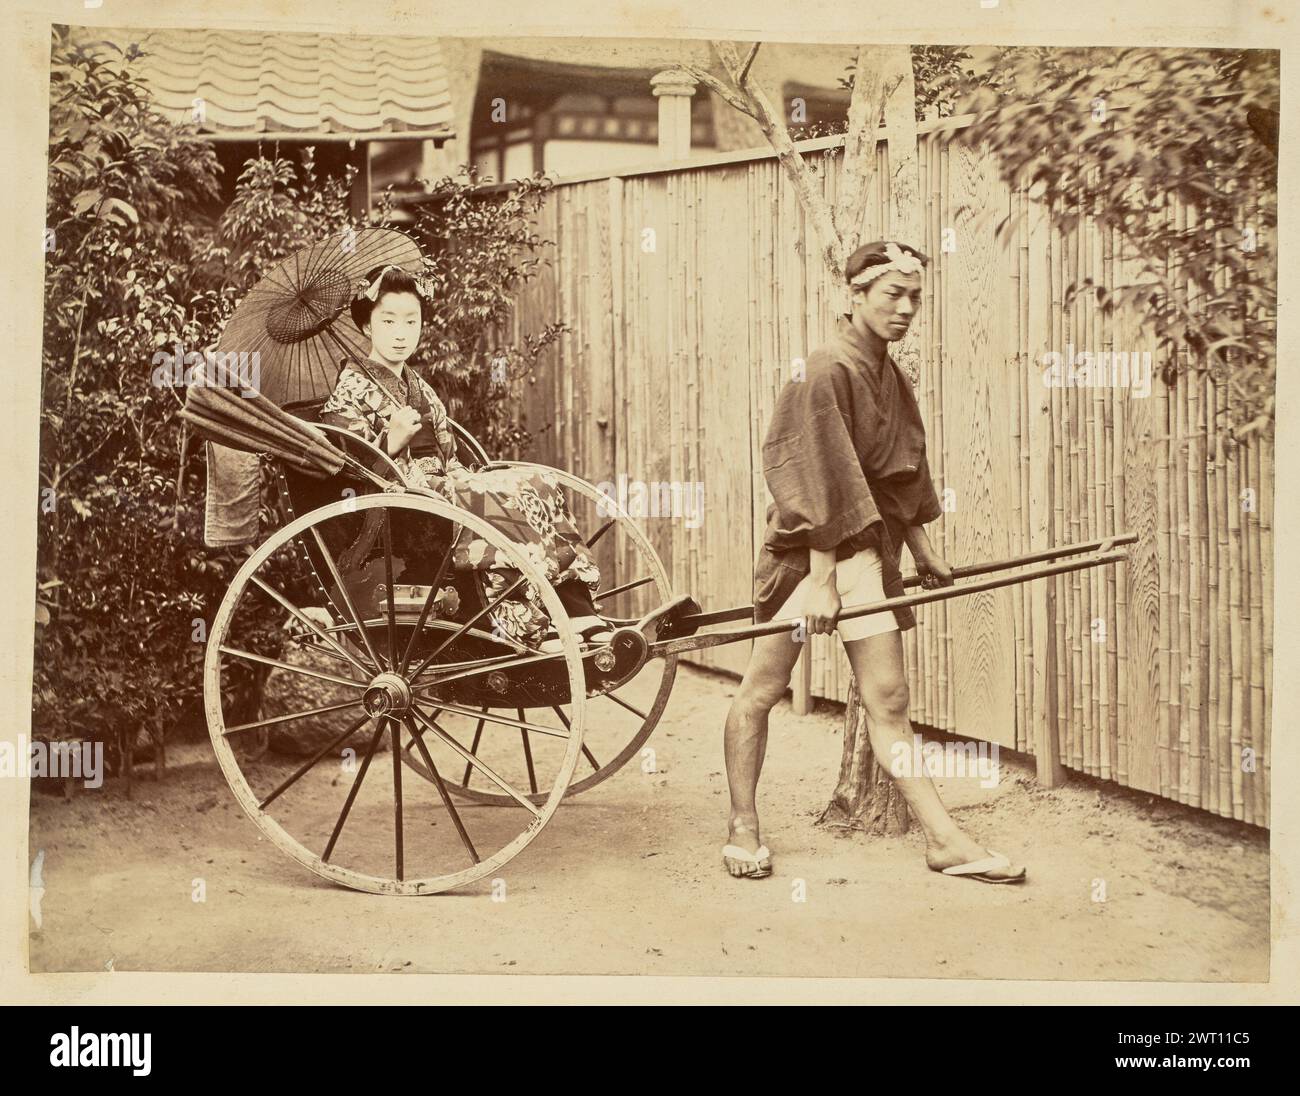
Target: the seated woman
(389, 406)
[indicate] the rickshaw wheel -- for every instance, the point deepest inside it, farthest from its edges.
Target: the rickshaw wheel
(625, 741)
(376, 691)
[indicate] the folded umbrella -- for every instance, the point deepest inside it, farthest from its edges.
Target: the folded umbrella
(234, 418)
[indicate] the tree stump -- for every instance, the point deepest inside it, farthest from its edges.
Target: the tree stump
(866, 799)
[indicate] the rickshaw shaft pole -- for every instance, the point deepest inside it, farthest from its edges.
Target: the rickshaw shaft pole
(773, 627)
(1035, 557)
(746, 612)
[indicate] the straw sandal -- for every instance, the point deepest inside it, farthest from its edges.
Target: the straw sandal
(978, 869)
(760, 861)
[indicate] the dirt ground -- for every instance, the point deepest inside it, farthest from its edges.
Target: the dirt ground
(627, 879)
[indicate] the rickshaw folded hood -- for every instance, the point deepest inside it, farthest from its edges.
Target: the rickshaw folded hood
(238, 427)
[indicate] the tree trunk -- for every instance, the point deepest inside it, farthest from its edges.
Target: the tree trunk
(866, 799)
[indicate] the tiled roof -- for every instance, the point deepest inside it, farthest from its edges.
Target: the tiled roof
(257, 82)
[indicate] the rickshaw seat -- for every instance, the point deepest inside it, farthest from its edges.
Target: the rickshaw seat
(300, 494)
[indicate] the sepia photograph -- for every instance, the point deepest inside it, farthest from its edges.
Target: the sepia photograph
(567, 504)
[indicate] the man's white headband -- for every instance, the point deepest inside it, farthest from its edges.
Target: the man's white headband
(902, 261)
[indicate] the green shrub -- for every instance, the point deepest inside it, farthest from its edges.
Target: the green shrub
(142, 258)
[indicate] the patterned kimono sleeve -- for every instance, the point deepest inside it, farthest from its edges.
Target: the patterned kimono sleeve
(440, 424)
(362, 408)
(357, 407)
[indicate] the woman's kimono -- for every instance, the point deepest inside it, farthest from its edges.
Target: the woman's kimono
(844, 458)
(527, 506)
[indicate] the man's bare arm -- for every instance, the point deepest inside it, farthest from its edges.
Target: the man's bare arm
(918, 543)
(928, 561)
(821, 565)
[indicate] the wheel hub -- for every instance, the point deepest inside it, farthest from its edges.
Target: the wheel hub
(387, 694)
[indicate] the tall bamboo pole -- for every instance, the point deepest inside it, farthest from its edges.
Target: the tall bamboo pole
(934, 156)
(1164, 563)
(929, 652)
(1122, 577)
(1043, 426)
(1195, 668)
(1097, 583)
(1188, 788)
(1087, 495)
(1243, 793)
(1014, 373)
(1026, 408)
(1078, 625)
(1215, 564)
(1110, 697)
(1258, 609)
(1060, 454)
(947, 700)
(1221, 743)
(1264, 760)
(1230, 761)
(922, 323)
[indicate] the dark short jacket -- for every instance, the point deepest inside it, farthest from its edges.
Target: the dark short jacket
(844, 458)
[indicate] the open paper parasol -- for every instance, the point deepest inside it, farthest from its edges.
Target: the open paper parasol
(296, 321)
(296, 317)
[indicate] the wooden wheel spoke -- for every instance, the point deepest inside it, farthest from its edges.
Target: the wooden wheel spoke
(346, 597)
(352, 792)
(302, 770)
(482, 766)
(351, 682)
(623, 703)
(591, 758)
(417, 736)
(388, 589)
(478, 735)
(369, 671)
(428, 602)
(411, 744)
(397, 799)
(434, 715)
(528, 753)
(604, 595)
(504, 720)
(467, 625)
(490, 662)
(272, 720)
(325, 652)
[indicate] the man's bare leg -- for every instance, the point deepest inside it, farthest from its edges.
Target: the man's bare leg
(877, 663)
(745, 739)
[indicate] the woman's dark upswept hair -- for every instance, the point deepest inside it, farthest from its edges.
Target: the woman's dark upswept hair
(395, 281)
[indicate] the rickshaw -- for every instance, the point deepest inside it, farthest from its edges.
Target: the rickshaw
(398, 645)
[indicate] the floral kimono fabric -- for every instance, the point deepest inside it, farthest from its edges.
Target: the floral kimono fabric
(527, 506)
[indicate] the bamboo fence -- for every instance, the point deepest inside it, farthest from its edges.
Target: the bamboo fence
(692, 295)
